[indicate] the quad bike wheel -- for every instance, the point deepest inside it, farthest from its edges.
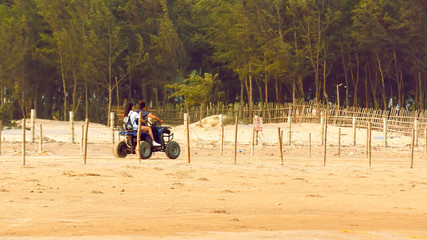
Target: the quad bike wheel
(145, 150)
(172, 150)
(120, 149)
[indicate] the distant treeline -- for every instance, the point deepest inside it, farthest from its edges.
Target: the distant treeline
(86, 55)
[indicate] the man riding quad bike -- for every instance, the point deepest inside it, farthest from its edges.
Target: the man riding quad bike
(161, 135)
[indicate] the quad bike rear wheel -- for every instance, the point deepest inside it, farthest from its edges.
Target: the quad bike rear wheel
(145, 150)
(120, 149)
(172, 150)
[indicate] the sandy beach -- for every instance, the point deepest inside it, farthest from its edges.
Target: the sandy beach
(56, 196)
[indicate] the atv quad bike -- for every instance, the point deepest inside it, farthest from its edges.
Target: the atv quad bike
(161, 134)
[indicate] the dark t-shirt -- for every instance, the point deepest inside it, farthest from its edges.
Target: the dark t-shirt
(144, 115)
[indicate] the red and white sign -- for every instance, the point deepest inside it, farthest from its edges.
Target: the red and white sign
(257, 123)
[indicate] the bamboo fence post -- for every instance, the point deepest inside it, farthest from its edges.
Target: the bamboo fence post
(322, 126)
(82, 141)
(416, 131)
(326, 134)
(280, 145)
(369, 142)
(85, 140)
(289, 130)
(253, 143)
(23, 141)
(235, 142)
(354, 131)
(112, 125)
(339, 142)
(385, 131)
(138, 138)
(1, 127)
(309, 144)
(187, 133)
(221, 146)
(33, 124)
(72, 126)
(412, 148)
(41, 140)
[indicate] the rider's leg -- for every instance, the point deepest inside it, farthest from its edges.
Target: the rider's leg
(150, 132)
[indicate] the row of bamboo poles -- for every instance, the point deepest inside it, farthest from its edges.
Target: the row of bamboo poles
(398, 120)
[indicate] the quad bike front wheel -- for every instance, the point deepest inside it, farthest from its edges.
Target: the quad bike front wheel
(172, 150)
(145, 150)
(120, 149)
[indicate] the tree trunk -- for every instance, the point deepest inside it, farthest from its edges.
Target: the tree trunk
(117, 93)
(421, 91)
(266, 98)
(250, 90)
(86, 101)
(382, 82)
(64, 86)
(357, 80)
(366, 88)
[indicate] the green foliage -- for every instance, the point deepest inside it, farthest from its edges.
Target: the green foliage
(195, 90)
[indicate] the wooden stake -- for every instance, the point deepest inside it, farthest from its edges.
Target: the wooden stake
(412, 148)
(385, 131)
(369, 142)
(112, 125)
(253, 143)
(280, 145)
(221, 146)
(326, 136)
(41, 140)
(23, 141)
(85, 140)
(289, 130)
(339, 142)
(416, 132)
(82, 141)
(33, 124)
(235, 143)
(1, 127)
(354, 131)
(309, 144)
(322, 126)
(187, 133)
(71, 126)
(138, 138)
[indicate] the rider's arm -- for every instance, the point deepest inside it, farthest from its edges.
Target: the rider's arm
(154, 117)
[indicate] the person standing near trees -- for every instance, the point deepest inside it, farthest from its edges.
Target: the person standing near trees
(134, 118)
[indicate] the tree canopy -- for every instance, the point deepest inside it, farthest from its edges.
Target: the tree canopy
(87, 55)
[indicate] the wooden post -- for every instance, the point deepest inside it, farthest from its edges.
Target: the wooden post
(41, 140)
(416, 131)
(289, 130)
(385, 132)
(235, 142)
(326, 137)
(71, 126)
(369, 142)
(322, 125)
(221, 146)
(253, 143)
(82, 141)
(85, 140)
(280, 145)
(23, 141)
(354, 131)
(339, 142)
(138, 138)
(1, 127)
(187, 133)
(309, 144)
(112, 125)
(33, 124)
(412, 148)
